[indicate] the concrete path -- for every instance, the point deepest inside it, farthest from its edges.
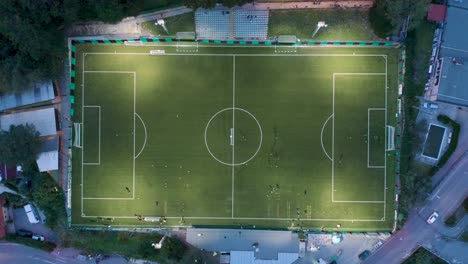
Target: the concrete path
(310, 5)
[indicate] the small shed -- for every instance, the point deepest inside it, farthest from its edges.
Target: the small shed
(48, 159)
(287, 39)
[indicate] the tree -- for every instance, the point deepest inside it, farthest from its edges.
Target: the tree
(49, 197)
(173, 249)
(394, 13)
(194, 4)
(19, 145)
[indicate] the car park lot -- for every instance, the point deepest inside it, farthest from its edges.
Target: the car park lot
(21, 222)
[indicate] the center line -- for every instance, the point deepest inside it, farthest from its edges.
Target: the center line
(233, 128)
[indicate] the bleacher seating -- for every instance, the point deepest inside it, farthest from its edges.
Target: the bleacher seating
(212, 24)
(224, 23)
(250, 23)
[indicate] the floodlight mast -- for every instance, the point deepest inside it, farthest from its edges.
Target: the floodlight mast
(161, 23)
(320, 25)
(159, 244)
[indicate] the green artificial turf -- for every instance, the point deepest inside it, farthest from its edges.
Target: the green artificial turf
(157, 136)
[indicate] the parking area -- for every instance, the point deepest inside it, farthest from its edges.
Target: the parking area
(21, 222)
(346, 251)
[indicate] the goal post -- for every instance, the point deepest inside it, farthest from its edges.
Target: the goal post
(390, 138)
(77, 139)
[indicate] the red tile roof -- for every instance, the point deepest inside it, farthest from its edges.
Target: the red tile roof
(436, 13)
(7, 172)
(2, 219)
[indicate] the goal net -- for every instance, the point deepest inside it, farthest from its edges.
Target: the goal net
(77, 140)
(390, 138)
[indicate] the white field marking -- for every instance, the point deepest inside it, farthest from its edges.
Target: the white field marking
(333, 139)
(109, 72)
(134, 131)
(259, 145)
(161, 44)
(385, 139)
(134, 123)
(321, 137)
(233, 128)
(237, 55)
(453, 97)
(99, 136)
(146, 135)
(285, 55)
(97, 198)
(82, 122)
(242, 218)
(427, 135)
(368, 136)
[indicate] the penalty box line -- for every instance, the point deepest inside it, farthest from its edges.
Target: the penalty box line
(134, 130)
(333, 139)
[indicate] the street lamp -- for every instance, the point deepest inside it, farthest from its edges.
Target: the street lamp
(320, 25)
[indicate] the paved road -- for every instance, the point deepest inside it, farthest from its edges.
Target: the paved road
(445, 199)
(18, 254)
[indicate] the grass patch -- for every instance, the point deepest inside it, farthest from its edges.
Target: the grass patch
(180, 23)
(343, 25)
(457, 215)
(464, 236)
(42, 245)
(422, 256)
(133, 245)
(414, 173)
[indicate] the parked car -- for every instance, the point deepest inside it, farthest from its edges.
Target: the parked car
(24, 233)
(432, 218)
(378, 244)
(364, 255)
(38, 237)
(430, 105)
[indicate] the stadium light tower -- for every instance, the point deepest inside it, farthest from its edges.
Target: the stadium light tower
(161, 23)
(320, 25)
(159, 244)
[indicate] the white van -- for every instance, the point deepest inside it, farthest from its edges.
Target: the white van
(32, 215)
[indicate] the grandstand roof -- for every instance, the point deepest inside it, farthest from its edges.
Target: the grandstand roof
(186, 35)
(248, 257)
(39, 93)
(436, 13)
(289, 39)
(42, 119)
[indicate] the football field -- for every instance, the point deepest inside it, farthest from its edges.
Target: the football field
(226, 135)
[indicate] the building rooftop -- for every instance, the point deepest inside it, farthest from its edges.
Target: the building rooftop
(39, 93)
(48, 158)
(270, 243)
(42, 119)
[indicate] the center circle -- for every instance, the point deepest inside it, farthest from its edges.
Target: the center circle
(230, 131)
